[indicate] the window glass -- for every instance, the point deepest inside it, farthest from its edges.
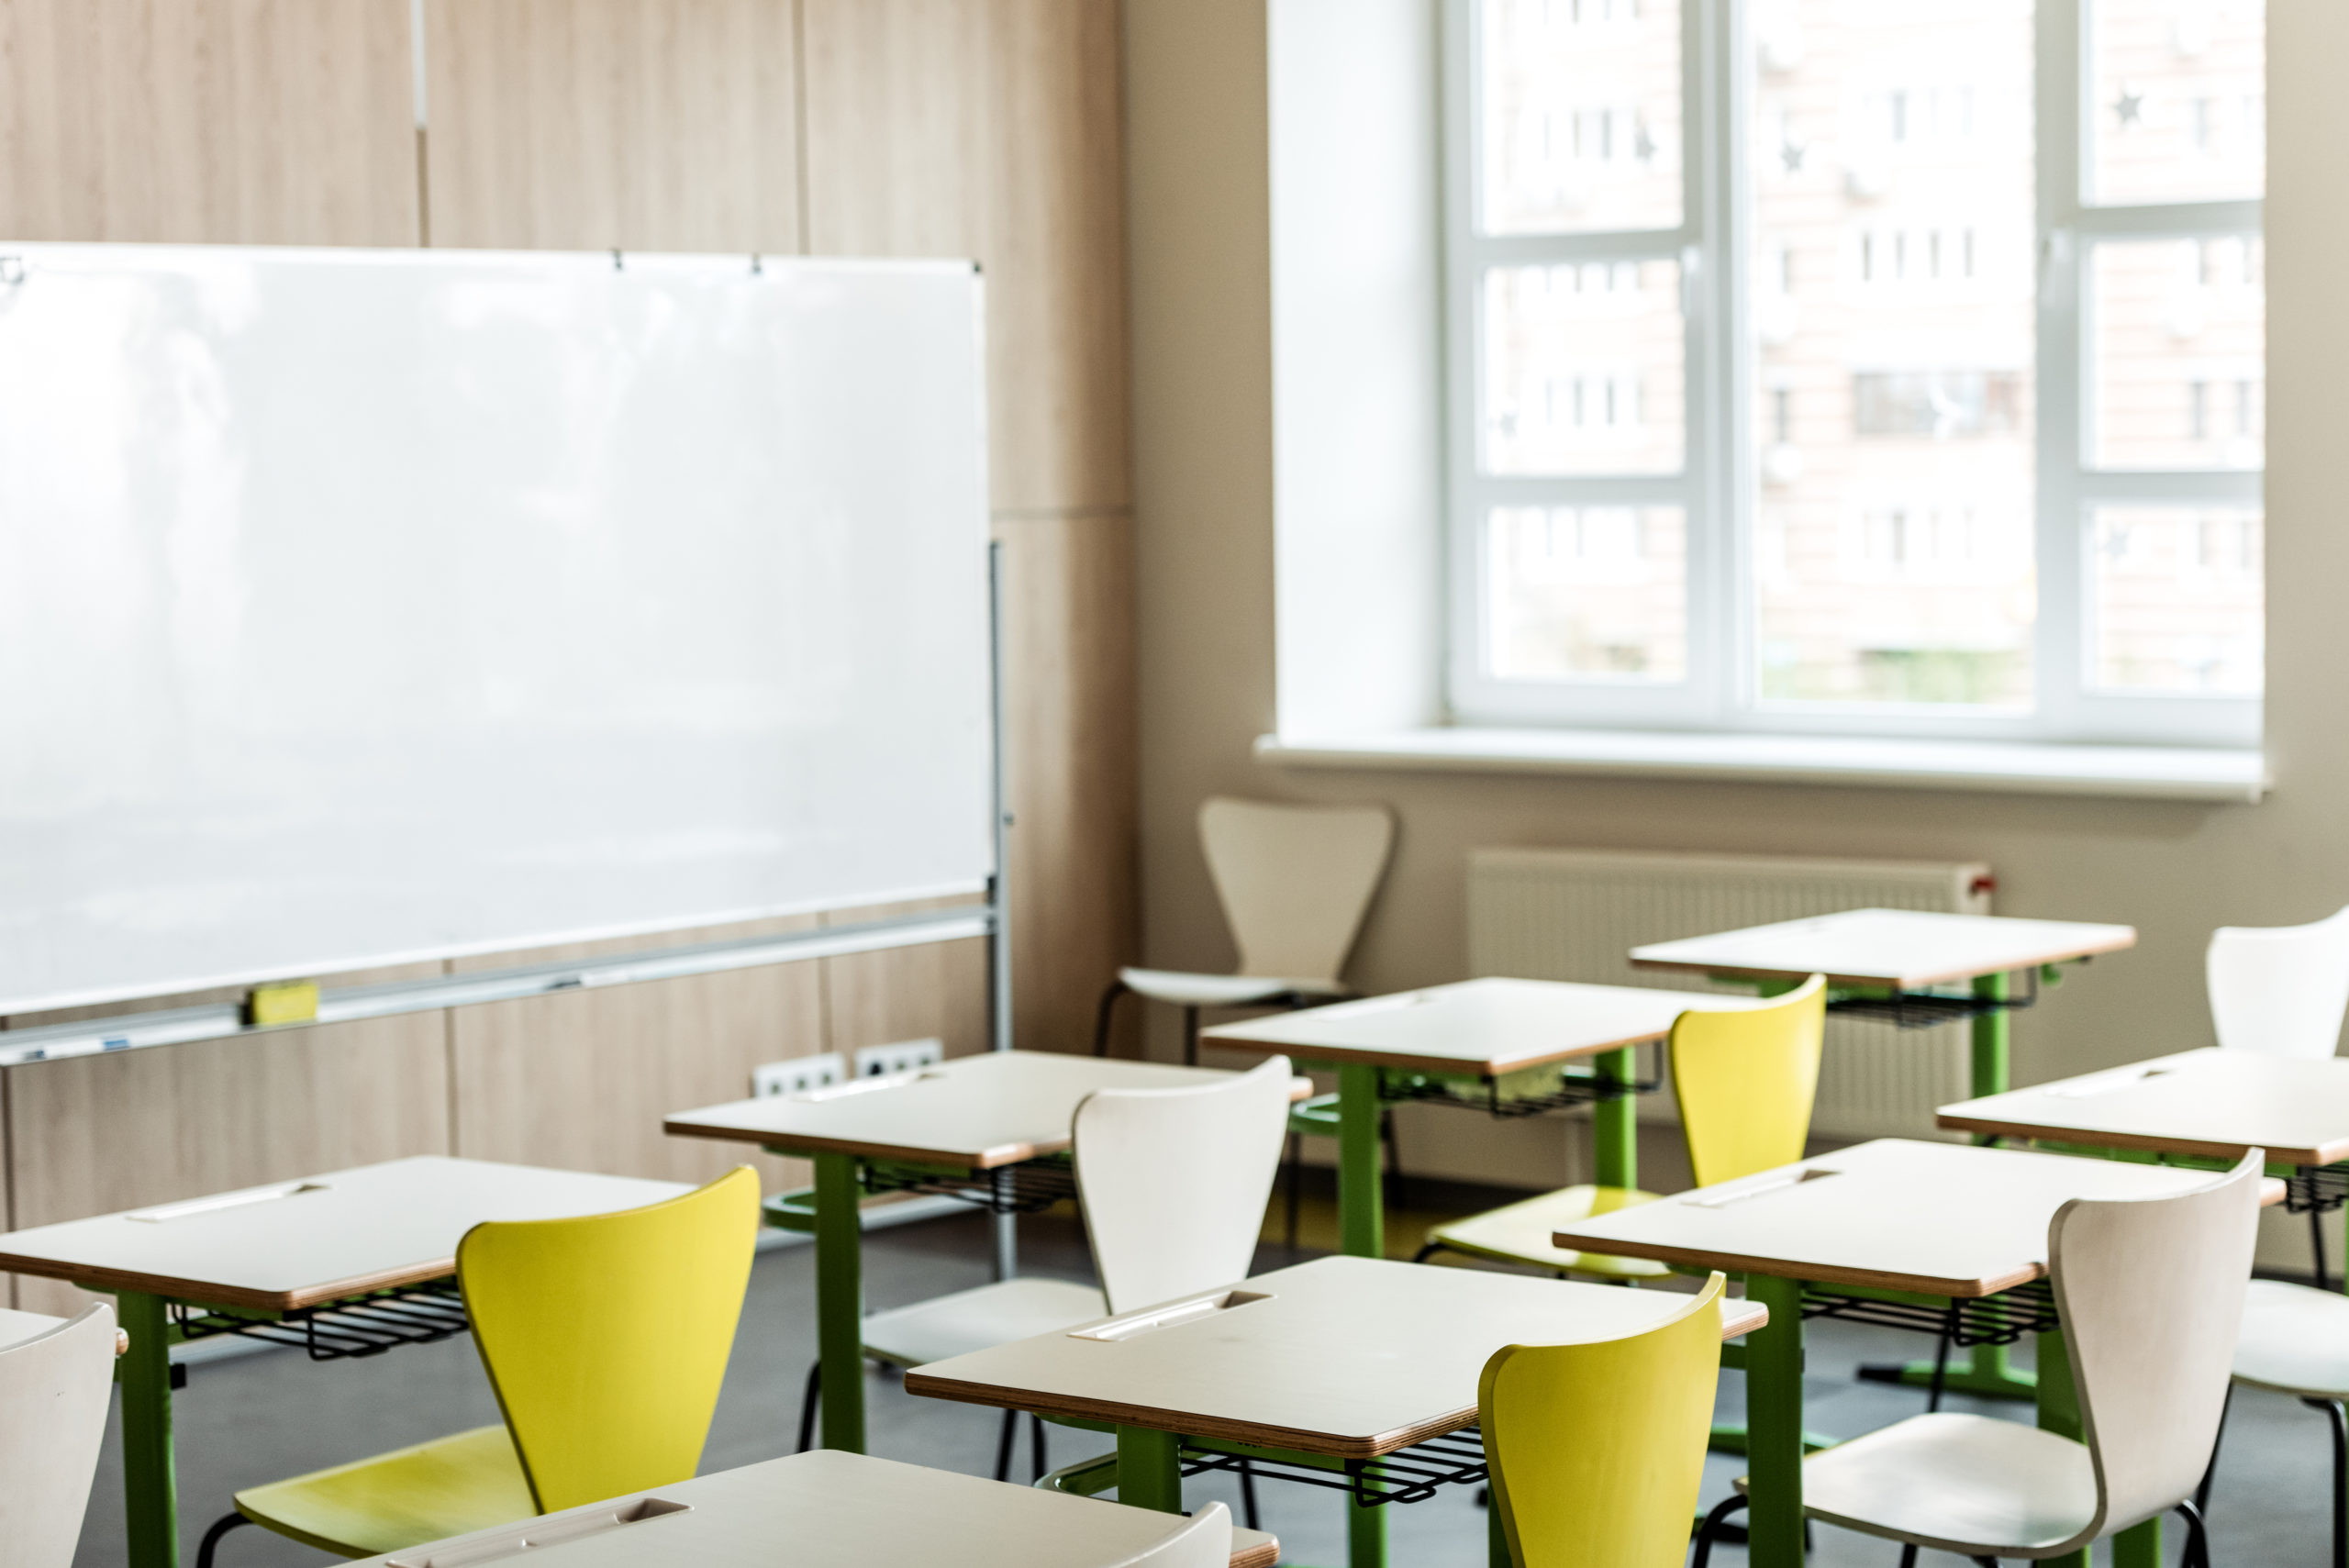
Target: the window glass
(2177, 355)
(2177, 106)
(2178, 599)
(1584, 364)
(1580, 105)
(1587, 593)
(1893, 308)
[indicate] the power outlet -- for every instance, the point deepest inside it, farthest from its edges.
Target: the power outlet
(799, 1074)
(904, 1056)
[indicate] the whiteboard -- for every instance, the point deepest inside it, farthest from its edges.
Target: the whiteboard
(359, 608)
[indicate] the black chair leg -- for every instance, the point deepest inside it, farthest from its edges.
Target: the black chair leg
(1713, 1521)
(2316, 1244)
(1909, 1555)
(1989, 1562)
(1941, 1365)
(1036, 1448)
(2198, 1539)
(1432, 1247)
(2210, 1471)
(1101, 1018)
(1296, 1169)
(807, 1399)
(1395, 1190)
(211, 1541)
(1003, 1444)
(2335, 1416)
(1248, 1515)
(1190, 1036)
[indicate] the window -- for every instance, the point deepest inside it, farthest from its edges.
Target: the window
(1858, 368)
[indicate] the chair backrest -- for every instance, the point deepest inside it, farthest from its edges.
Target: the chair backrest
(1174, 1182)
(53, 1393)
(2280, 988)
(1569, 1501)
(1203, 1541)
(607, 1336)
(1745, 1082)
(1295, 879)
(2152, 1292)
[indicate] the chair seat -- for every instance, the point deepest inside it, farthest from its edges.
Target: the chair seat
(979, 1320)
(1521, 1232)
(1221, 990)
(452, 1485)
(2294, 1339)
(1963, 1483)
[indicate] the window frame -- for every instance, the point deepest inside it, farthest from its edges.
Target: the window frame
(1716, 485)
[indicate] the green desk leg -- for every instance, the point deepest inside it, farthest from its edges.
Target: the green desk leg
(1983, 1372)
(1614, 1124)
(1150, 1470)
(1366, 1536)
(2059, 1410)
(840, 1302)
(1362, 1220)
(150, 1488)
(1774, 1425)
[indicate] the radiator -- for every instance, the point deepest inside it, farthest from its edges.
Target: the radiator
(1574, 914)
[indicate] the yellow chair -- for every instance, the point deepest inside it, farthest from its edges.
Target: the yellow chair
(605, 1338)
(1745, 1081)
(1566, 1501)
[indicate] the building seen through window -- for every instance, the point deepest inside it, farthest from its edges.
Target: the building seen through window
(1803, 471)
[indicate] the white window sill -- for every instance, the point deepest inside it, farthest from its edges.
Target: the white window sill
(2016, 767)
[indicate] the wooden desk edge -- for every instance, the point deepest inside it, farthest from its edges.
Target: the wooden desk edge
(1779, 1268)
(1264, 1554)
(1900, 983)
(204, 1293)
(1435, 1066)
(808, 1143)
(2323, 1154)
(1189, 1424)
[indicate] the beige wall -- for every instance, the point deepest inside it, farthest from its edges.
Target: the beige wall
(1204, 484)
(980, 128)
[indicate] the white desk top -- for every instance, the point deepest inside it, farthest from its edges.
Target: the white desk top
(1351, 1357)
(1907, 949)
(977, 1112)
(827, 1509)
(298, 1243)
(2211, 1102)
(1941, 1218)
(1484, 1027)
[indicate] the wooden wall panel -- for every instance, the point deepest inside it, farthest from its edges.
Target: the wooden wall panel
(244, 121)
(660, 125)
(94, 1134)
(581, 1080)
(937, 990)
(989, 128)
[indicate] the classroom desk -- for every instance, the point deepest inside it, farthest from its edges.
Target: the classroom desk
(988, 1128)
(278, 1253)
(1852, 1233)
(825, 1509)
(1323, 1367)
(1895, 966)
(1475, 1033)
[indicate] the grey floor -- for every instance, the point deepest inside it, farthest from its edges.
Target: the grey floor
(265, 1417)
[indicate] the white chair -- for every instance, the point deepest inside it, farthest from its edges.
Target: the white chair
(2151, 1291)
(1204, 1541)
(2280, 989)
(1173, 1184)
(1295, 882)
(53, 1392)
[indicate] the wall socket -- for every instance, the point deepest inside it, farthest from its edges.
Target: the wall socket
(904, 1056)
(799, 1074)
